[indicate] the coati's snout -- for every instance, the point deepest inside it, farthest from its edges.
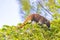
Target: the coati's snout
(48, 24)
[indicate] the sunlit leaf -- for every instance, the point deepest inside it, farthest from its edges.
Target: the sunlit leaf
(25, 5)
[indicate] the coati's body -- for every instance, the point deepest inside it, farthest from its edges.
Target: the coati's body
(37, 18)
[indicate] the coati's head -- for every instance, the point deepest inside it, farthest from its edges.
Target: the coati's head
(44, 21)
(47, 22)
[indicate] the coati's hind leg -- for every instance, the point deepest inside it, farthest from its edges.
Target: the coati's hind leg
(25, 24)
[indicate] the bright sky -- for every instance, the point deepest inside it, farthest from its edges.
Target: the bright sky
(9, 12)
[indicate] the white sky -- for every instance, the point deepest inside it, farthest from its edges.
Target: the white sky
(9, 12)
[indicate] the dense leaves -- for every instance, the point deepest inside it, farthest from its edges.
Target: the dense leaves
(31, 32)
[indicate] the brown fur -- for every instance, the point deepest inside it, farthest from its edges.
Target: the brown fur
(37, 18)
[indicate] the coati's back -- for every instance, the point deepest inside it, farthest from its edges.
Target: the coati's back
(37, 18)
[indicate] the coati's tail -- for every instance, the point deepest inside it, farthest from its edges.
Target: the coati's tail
(28, 19)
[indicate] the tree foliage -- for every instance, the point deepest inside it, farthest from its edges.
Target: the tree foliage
(32, 31)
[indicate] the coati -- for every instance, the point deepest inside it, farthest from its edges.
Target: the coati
(37, 18)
